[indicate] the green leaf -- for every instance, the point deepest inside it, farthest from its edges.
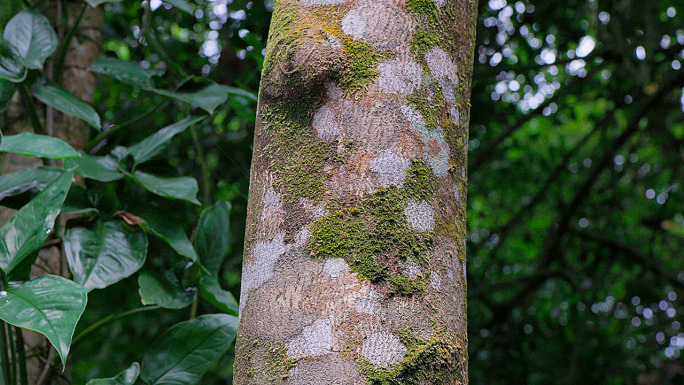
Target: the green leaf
(211, 291)
(31, 37)
(170, 232)
(101, 169)
(49, 305)
(188, 349)
(164, 290)
(27, 179)
(66, 102)
(154, 144)
(207, 98)
(22, 237)
(104, 253)
(11, 65)
(182, 5)
(127, 377)
(123, 71)
(211, 236)
(95, 3)
(37, 145)
(7, 90)
(184, 188)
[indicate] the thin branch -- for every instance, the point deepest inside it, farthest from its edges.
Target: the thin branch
(61, 55)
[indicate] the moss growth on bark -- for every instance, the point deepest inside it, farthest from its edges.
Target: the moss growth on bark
(361, 68)
(374, 237)
(430, 360)
(276, 363)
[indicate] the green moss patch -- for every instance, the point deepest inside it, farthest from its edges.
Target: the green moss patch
(265, 362)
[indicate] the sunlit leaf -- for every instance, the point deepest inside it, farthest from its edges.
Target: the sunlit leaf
(23, 235)
(66, 102)
(105, 253)
(49, 305)
(184, 353)
(123, 71)
(184, 188)
(164, 290)
(154, 144)
(37, 145)
(31, 37)
(127, 377)
(101, 169)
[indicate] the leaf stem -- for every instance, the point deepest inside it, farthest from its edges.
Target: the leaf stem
(21, 352)
(193, 308)
(31, 109)
(13, 355)
(64, 47)
(107, 320)
(3, 354)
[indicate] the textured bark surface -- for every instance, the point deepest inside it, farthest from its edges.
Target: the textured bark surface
(83, 50)
(354, 262)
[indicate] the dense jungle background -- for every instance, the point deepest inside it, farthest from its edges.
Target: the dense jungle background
(575, 193)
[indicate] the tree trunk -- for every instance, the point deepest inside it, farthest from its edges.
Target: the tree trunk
(354, 262)
(83, 50)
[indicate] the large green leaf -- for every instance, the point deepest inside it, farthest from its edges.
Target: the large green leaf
(211, 236)
(66, 102)
(170, 232)
(182, 5)
(105, 253)
(154, 144)
(127, 377)
(49, 305)
(11, 65)
(164, 290)
(37, 145)
(184, 188)
(7, 90)
(210, 290)
(123, 71)
(27, 179)
(208, 98)
(22, 237)
(31, 37)
(101, 169)
(188, 349)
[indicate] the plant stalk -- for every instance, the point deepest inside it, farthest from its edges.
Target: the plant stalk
(13, 355)
(21, 352)
(61, 55)
(3, 354)
(31, 109)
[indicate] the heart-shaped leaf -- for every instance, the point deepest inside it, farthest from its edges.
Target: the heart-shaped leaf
(37, 145)
(188, 349)
(211, 236)
(164, 290)
(154, 144)
(105, 253)
(31, 38)
(66, 102)
(123, 71)
(127, 377)
(28, 179)
(101, 169)
(49, 305)
(22, 237)
(184, 187)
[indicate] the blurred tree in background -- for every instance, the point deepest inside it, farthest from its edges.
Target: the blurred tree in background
(575, 209)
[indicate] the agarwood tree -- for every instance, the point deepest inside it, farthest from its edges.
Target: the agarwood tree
(354, 262)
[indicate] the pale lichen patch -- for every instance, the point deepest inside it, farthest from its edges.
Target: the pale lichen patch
(420, 215)
(435, 281)
(315, 340)
(325, 124)
(444, 71)
(335, 267)
(391, 168)
(369, 304)
(399, 76)
(259, 268)
(383, 349)
(379, 23)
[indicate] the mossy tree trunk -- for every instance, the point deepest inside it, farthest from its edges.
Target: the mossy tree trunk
(83, 49)
(354, 262)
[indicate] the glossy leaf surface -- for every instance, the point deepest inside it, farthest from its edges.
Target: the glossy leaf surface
(207, 98)
(212, 292)
(211, 238)
(170, 232)
(66, 102)
(123, 71)
(37, 145)
(184, 188)
(154, 144)
(30, 37)
(182, 5)
(27, 179)
(164, 290)
(127, 377)
(101, 169)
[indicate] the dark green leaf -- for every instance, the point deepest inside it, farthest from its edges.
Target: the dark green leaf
(49, 305)
(184, 188)
(31, 37)
(101, 169)
(170, 232)
(104, 253)
(182, 5)
(11, 65)
(211, 291)
(211, 236)
(127, 377)
(22, 237)
(95, 3)
(188, 349)
(164, 290)
(7, 90)
(77, 203)
(207, 98)
(154, 144)
(27, 179)
(37, 145)
(123, 71)
(66, 102)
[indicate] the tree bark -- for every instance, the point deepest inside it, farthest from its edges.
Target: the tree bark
(354, 262)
